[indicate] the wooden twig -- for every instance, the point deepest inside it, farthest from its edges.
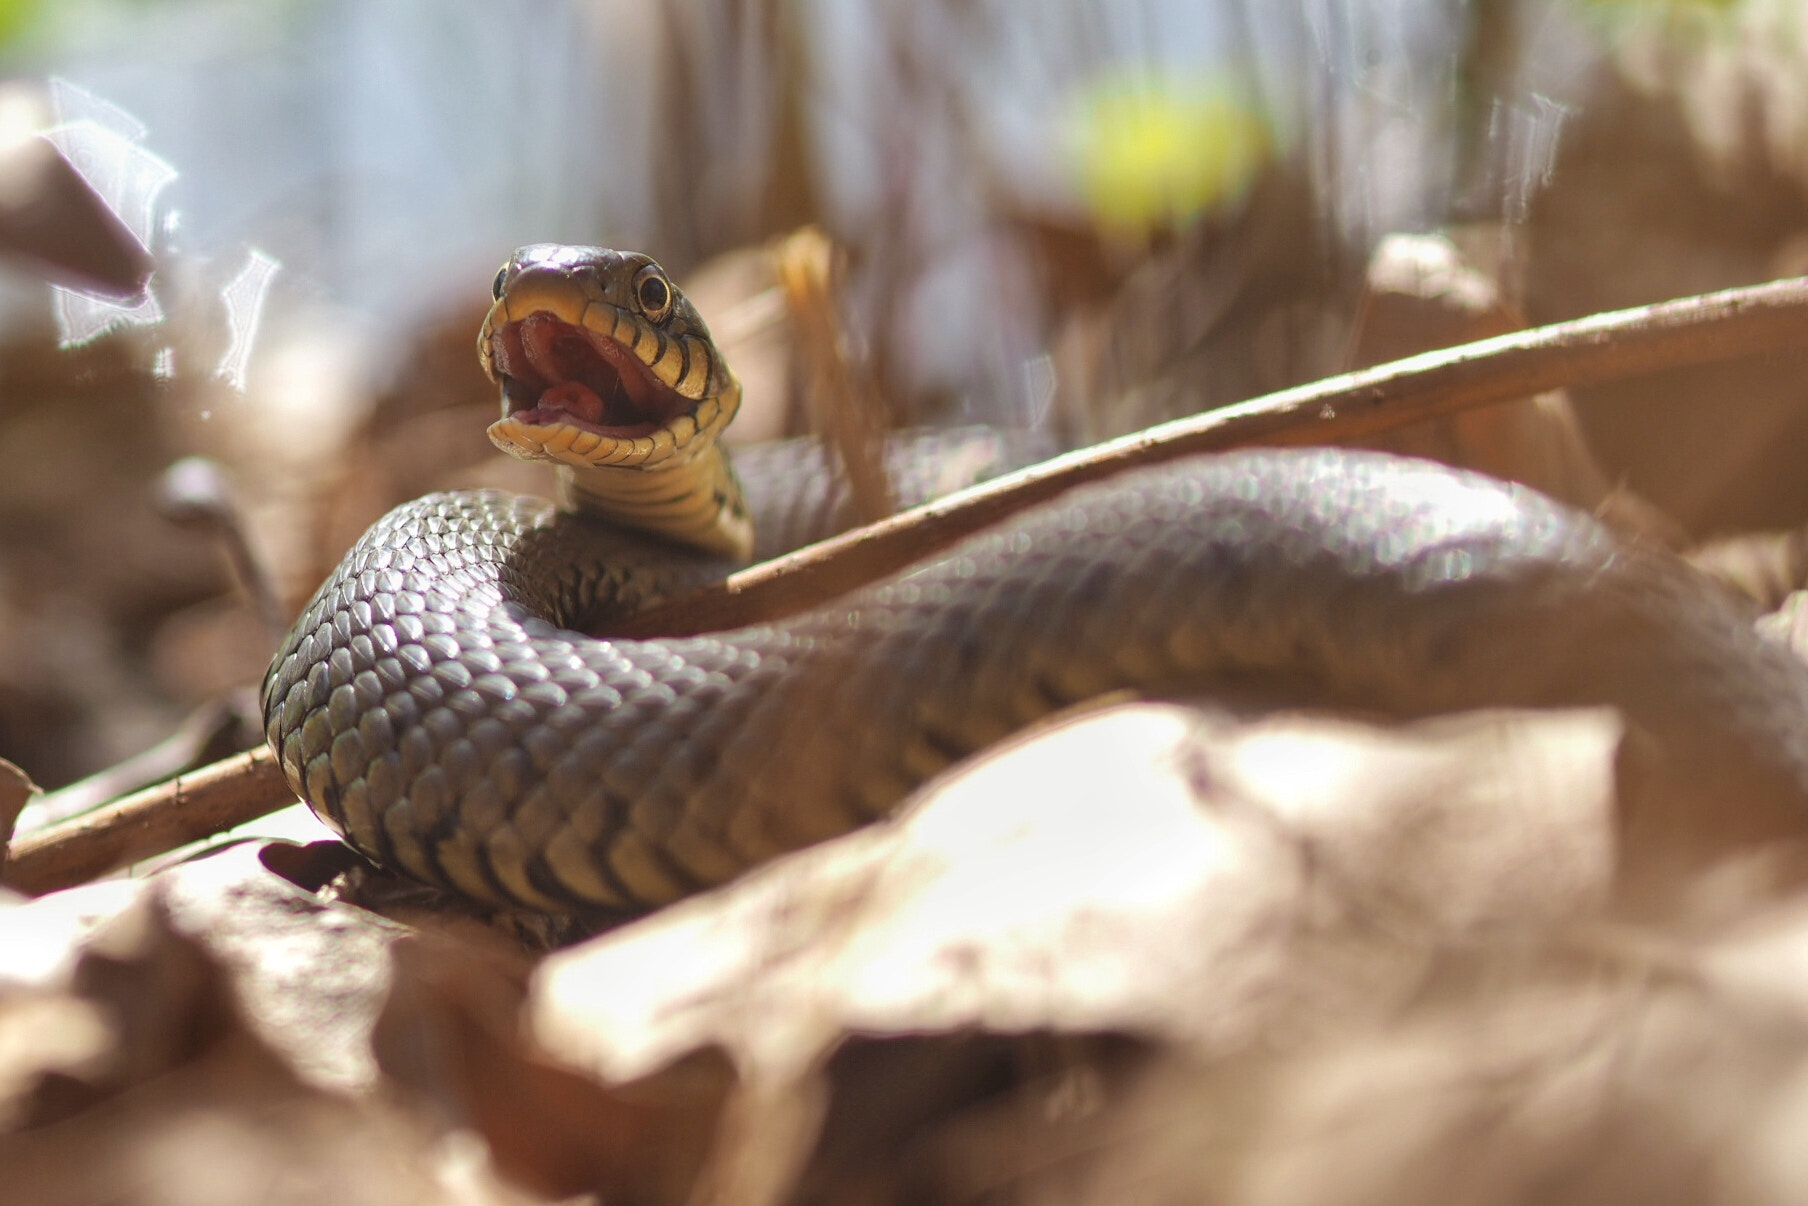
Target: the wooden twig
(1754, 319)
(150, 822)
(1768, 318)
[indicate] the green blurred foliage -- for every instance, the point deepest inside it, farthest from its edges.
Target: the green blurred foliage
(16, 17)
(1156, 155)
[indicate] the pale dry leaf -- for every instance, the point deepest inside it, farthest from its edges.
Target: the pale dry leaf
(1788, 624)
(449, 1038)
(41, 938)
(45, 1034)
(1604, 1063)
(1766, 567)
(1449, 828)
(1540, 1075)
(16, 791)
(176, 1100)
(1148, 870)
(312, 974)
(1763, 959)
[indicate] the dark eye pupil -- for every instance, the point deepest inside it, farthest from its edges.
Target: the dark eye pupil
(496, 286)
(653, 293)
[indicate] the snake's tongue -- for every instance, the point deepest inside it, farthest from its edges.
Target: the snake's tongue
(572, 377)
(579, 401)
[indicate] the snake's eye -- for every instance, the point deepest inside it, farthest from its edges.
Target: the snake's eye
(496, 285)
(653, 293)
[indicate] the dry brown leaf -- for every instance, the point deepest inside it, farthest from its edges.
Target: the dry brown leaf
(1766, 567)
(157, 1092)
(1150, 871)
(42, 937)
(1789, 623)
(1606, 1064)
(215, 1014)
(16, 791)
(1544, 1076)
(1044, 885)
(449, 1034)
(312, 975)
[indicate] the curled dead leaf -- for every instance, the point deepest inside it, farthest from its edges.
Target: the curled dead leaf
(1789, 623)
(16, 791)
(158, 1091)
(449, 1034)
(1149, 871)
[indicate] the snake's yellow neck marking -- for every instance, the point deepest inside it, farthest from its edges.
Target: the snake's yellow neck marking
(698, 503)
(602, 332)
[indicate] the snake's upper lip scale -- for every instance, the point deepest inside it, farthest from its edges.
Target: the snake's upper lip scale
(554, 372)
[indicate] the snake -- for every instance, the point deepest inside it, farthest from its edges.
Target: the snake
(443, 703)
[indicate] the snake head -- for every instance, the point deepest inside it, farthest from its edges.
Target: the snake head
(602, 361)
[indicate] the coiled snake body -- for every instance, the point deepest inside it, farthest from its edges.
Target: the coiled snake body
(437, 706)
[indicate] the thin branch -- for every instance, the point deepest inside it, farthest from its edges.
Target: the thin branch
(147, 823)
(1770, 318)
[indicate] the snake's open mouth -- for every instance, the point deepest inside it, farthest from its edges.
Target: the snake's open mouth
(553, 372)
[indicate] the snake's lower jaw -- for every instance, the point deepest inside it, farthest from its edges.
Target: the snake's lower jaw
(567, 444)
(553, 442)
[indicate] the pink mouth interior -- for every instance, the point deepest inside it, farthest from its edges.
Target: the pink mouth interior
(553, 372)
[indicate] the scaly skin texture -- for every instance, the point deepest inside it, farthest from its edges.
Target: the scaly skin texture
(435, 706)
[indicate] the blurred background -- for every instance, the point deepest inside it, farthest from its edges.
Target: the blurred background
(1080, 216)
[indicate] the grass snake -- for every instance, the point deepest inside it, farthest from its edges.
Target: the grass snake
(439, 704)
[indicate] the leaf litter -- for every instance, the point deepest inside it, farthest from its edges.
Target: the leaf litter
(1155, 952)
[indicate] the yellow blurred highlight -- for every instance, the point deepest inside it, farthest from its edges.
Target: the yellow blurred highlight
(1662, 6)
(1154, 155)
(1679, 18)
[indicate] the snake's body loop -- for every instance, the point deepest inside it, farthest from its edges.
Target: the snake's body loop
(436, 704)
